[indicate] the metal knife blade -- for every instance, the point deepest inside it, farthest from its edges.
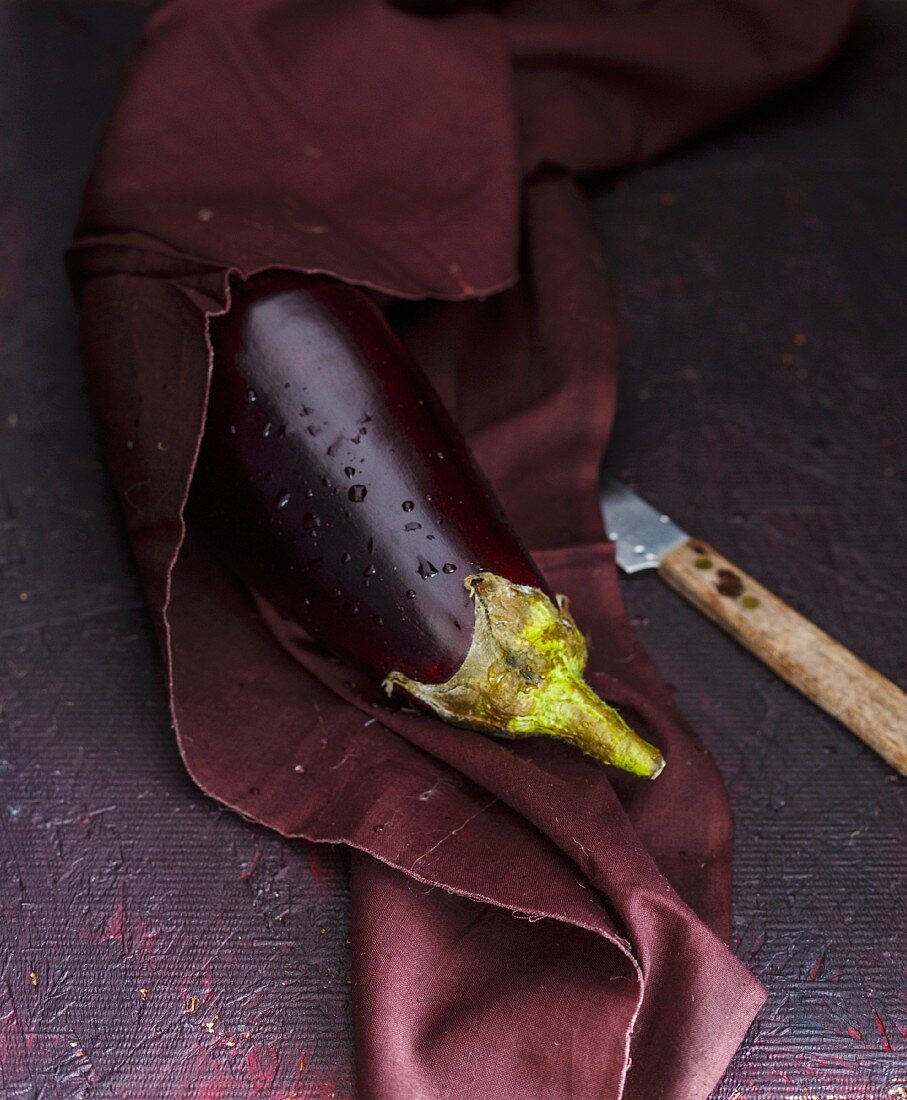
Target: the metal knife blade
(642, 534)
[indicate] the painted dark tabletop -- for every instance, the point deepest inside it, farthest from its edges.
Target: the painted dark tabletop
(152, 944)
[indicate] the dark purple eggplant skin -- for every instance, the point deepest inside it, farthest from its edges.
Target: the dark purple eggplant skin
(334, 483)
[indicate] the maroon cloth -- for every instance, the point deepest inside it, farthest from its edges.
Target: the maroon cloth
(526, 922)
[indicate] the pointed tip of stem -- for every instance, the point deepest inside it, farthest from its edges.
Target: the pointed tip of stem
(642, 759)
(575, 713)
(658, 766)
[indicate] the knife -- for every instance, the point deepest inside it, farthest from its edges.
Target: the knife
(806, 657)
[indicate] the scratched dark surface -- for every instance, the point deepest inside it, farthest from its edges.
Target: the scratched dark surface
(152, 945)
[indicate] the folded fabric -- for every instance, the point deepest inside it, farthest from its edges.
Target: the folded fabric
(526, 922)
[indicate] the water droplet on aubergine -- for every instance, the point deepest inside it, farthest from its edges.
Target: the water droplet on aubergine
(410, 594)
(357, 493)
(251, 396)
(283, 500)
(449, 567)
(309, 493)
(408, 506)
(345, 558)
(413, 527)
(377, 620)
(369, 570)
(426, 569)
(299, 769)
(310, 520)
(266, 430)
(350, 471)
(428, 496)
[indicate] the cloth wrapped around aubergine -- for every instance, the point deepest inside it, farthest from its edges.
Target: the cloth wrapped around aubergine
(437, 161)
(334, 482)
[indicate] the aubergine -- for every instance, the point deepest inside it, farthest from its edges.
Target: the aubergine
(332, 481)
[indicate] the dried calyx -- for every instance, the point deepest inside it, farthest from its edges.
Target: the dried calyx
(523, 677)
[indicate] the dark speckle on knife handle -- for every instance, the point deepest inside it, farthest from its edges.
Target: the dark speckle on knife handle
(729, 583)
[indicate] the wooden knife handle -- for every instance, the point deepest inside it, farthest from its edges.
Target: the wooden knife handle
(874, 708)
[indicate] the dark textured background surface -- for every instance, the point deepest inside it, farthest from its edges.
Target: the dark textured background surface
(154, 945)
